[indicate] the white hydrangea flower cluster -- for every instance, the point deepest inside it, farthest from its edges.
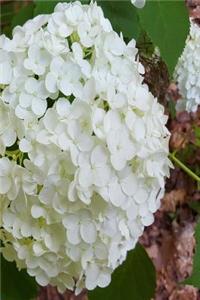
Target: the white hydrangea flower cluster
(187, 72)
(86, 169)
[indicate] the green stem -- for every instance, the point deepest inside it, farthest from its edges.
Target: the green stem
(184, 167)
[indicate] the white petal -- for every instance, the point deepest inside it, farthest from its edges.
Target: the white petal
(22, 113)
(148, 219)
(124, 229)
(97, 122)
(88, 232)
(66, 87)
(64, 141)
(8, 219)
(31, 85)
(74, 253)
(51, 83)
(92, 274)
(25, 100)
(101, 251)
(141, 195)
(85, 142)
(25, 145)
(143, 209)
(37, 211)
(26, 230)
(39, 106)
(63, 107)
(138, 3)
(70, 221)
(72, 194)
(116, 195)
(9, 137)
(5, 184)
(104, 279)
(139, 130)
(64, 30)
(101, 175)
(73, 235)
(118, 161)
(85, 177)
(5, 72)
(129, 185)
(132, 211)
(37, 249)
(89, 90)
(99, 156)
(42, 279)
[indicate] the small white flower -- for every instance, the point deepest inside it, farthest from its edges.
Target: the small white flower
(95, 170)
(10, 127)
(59, 77)
(80, 227)
(38, 59)
(9, 183)
(121, 147)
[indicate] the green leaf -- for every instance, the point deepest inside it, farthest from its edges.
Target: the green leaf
(123, 17)
(24, 14)
(16, 285)
(167, 24)
(44, 7)
(194, 279)
(195, 205)
(47, 7)
(7, 11)
(134, 280)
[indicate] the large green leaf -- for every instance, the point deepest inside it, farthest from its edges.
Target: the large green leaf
(16, 285)
(12, 15)
(47, 6)
(25, 13)
(123, 17)
(7, 12)
(194, 279)
(167, 24)
(44, 7)
(134, 280)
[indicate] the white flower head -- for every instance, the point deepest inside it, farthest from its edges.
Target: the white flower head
(187, 72)
(83, 148)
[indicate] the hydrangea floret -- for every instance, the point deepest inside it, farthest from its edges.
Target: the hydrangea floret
(138, 3)
(187, 72)
(83, 144)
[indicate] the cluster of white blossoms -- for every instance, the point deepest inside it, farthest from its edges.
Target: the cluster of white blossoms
(83, 147)
(187, 73)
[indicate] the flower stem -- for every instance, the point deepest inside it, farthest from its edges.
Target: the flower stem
(184, 167)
